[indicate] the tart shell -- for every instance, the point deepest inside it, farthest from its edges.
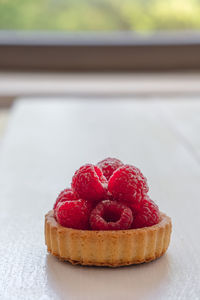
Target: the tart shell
(112, 248)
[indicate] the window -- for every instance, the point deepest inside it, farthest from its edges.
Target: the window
(100, 34)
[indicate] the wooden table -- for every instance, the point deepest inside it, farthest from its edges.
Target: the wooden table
(46, 141)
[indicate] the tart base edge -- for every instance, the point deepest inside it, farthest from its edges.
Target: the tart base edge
(107, 248)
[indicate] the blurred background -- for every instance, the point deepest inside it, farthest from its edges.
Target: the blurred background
(100, 15)
(95, 48)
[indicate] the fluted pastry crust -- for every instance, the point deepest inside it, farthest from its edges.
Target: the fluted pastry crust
(107, 248)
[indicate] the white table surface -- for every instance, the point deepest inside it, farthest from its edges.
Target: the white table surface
(46, 141)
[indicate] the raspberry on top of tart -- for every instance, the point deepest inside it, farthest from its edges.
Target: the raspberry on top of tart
(107, 207)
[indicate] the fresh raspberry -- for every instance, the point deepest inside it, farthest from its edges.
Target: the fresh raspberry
(65, 195)
(145, 214)
(73, 214)
(109, 165)
(128, 184)
(89, 183)
(111, 215)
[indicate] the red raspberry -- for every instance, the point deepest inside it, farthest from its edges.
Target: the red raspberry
(89, 183)
(111, 215)
(65, 195)
(73, 214)
(109, 165)
(128, 184)
(145, 214)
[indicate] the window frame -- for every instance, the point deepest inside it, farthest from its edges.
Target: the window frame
(99, 51)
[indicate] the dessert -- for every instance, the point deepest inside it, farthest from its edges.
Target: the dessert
(106, 218)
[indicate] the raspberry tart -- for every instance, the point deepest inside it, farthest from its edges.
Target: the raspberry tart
(106, 218)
